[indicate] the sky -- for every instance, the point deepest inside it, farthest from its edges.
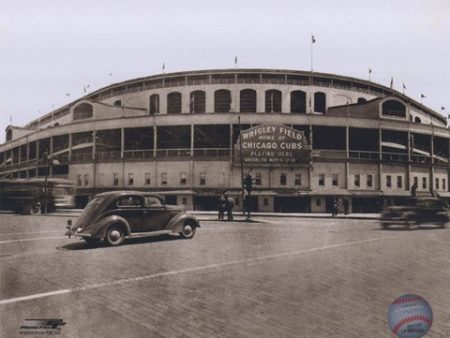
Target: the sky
(49, 48)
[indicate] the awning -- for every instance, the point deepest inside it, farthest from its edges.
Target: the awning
(175, 192)
(330, 192)
(395, 193)
(361, 193)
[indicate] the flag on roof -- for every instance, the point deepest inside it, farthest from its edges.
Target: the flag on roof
(313, 39)
(370, 71)
(422, 96)
(404, 87)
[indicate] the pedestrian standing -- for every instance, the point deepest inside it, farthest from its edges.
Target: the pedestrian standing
(221, 206)
(229, 205)
(334, 207)
(247, 205)
(346, 204)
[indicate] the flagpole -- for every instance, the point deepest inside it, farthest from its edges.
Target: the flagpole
(312, 43)
(242, 163)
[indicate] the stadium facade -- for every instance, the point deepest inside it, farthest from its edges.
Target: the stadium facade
(179, 134)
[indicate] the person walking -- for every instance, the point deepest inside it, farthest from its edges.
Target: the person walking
(229, 205)
(221, 206)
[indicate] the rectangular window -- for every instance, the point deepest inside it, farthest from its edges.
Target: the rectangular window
(86, 179)
(202, 180)
(318, 202)
(369, 181)
(183, 178)
(389, 181)
(147, 179)
(163, 178)
(298, 179)
(357, 181)
(322, 180)
(266, 201)
(424, 182)
(416, 181)
(437, 183)
(399, 182)
(335, 180)
(184, 201)
(258, 179)
(443, 184)
(283, 179)
(79, 181)
(115, 179)
(130, 178)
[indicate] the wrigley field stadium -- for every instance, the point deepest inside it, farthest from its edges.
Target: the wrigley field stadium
(307, 138)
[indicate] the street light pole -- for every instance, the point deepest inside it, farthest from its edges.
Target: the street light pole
(45, 156)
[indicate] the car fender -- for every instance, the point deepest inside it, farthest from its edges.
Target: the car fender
(102, 225)
(176, 223)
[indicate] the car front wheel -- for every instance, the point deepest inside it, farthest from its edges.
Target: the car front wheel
(188, 230)
(115, 235)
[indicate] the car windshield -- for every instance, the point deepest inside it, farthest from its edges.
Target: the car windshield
(431, 204)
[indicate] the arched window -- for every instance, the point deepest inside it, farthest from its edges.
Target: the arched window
(393, 108)
(174, 103)
(83, 111)
(118, 103)
(320, 102)
(273, 101)
(417, 119)
(248, 101)
(154, 104)
(361, 100)
(197, 101)
(298, 102)
(222, 101)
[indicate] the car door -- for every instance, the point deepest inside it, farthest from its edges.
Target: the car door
(154, 214)
(130, 207)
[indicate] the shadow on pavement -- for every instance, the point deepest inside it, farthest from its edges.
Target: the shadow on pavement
(82, 245)
(413, 228)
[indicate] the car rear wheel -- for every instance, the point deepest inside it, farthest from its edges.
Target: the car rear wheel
(115, 235)
(188, 230)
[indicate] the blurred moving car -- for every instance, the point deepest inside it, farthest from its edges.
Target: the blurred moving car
(117, 215)
(415, 211)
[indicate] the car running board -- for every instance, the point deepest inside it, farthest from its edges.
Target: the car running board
(150, 233)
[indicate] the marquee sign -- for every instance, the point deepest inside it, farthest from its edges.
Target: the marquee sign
(267, 145)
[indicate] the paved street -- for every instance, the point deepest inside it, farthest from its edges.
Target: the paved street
(279, 277)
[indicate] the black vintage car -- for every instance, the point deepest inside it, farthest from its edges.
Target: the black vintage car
(415, 211)
(117, 215)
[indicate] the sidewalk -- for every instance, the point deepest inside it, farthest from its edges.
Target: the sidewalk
(238, 217)
(212, 215)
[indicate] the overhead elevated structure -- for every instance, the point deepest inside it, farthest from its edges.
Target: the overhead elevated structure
(179, 133)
